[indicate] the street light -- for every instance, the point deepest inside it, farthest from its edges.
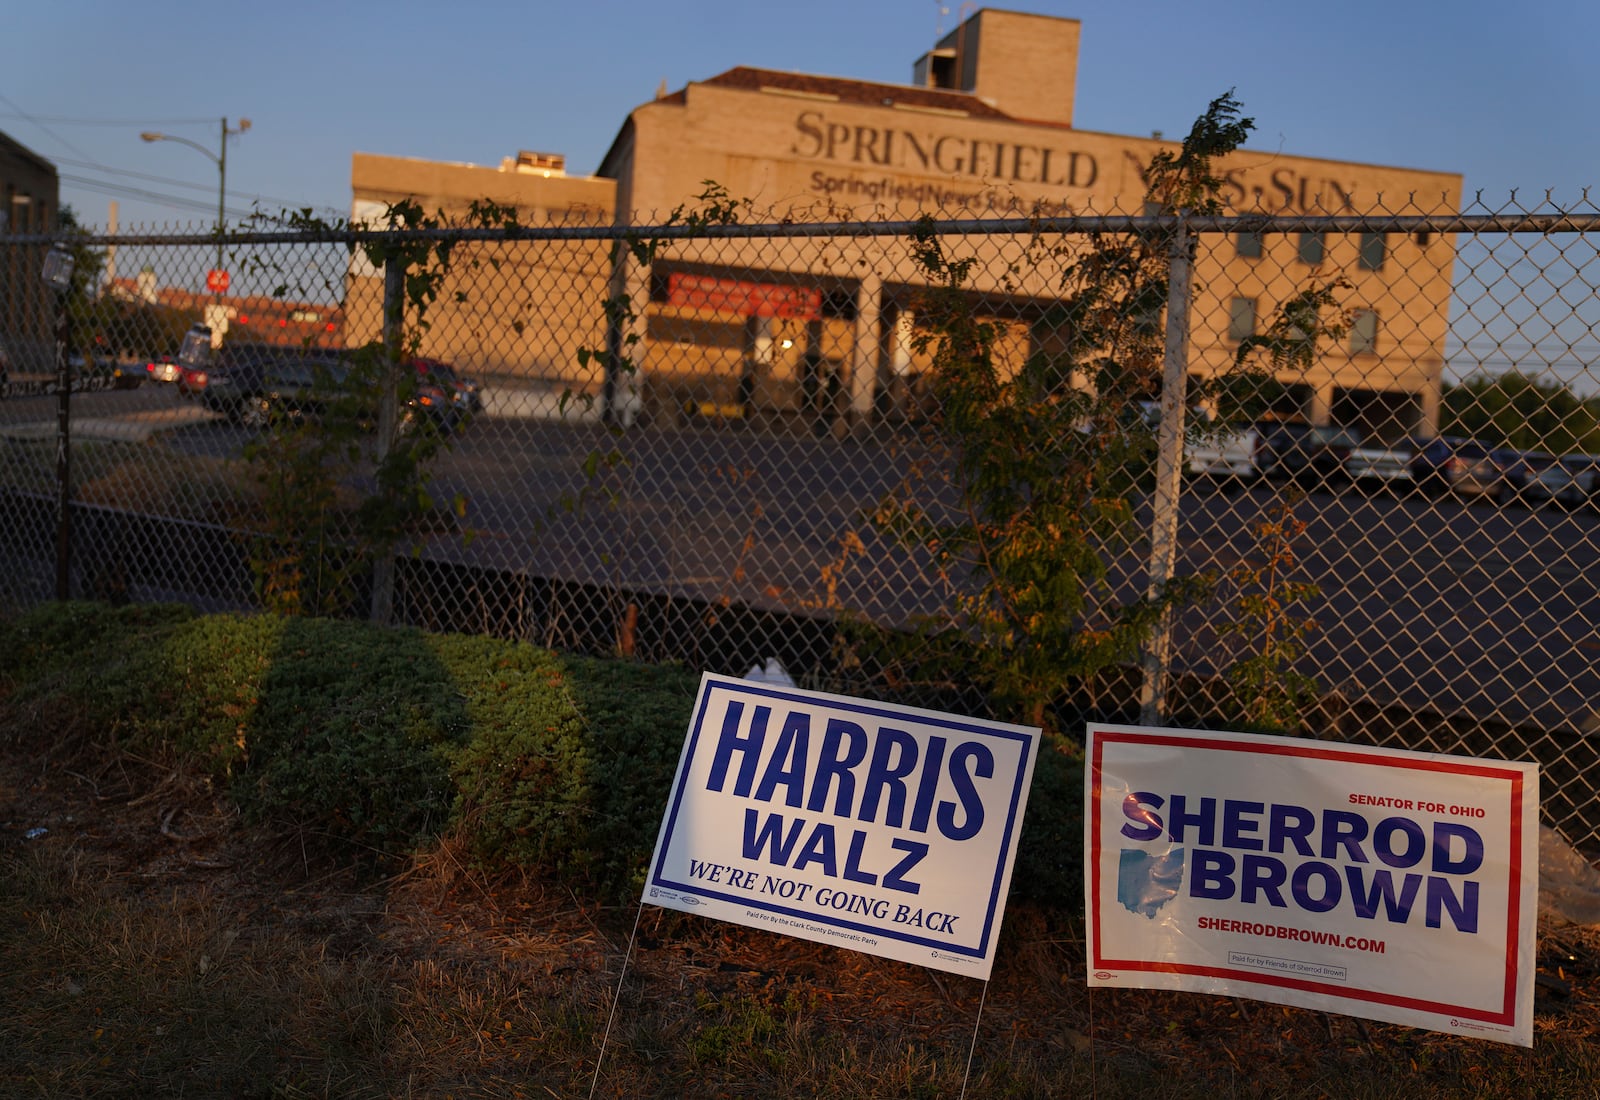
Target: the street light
(221, 159)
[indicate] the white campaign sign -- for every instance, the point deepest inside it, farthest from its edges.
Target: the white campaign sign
(885, 829)
(1400, 886)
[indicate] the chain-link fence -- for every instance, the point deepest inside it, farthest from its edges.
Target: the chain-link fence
(1368, 439)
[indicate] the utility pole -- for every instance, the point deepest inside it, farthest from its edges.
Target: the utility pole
(216, 282)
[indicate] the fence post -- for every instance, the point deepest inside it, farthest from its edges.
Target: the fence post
(63, 339)
(1169, 473)
(394, 306)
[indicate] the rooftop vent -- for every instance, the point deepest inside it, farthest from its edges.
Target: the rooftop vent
(541, 164)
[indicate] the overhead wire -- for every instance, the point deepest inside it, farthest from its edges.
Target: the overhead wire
(107, 187)
(34, 119)
(64, 120)
(288, 204)
(176, 202)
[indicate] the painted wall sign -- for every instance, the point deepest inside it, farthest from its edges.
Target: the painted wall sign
(744, 297)
(1400, 886)
(885, 829)
(927, 152)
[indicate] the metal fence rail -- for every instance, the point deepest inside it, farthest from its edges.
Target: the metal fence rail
(688, 443)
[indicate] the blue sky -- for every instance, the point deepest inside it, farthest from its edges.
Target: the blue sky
(1504, 95)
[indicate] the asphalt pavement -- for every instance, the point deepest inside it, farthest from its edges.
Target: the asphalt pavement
(1439, 604)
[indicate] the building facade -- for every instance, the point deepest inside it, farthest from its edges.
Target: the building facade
(29, 205)
(984, 130)
(517, 311)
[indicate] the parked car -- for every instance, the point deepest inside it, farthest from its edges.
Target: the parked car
(1304, 452)
(287, 386)
(1516, 469)
(1548, 479)
(1465, 467)
(1229, 456)
(164, 368)
(1535, 478)
(1379, 465)
(1285, 448)
(256, 384)
(1585, 473)
(463, 392)
(192, 380)
(199, 363)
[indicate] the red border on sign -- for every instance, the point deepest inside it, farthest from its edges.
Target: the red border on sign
(1314, 751)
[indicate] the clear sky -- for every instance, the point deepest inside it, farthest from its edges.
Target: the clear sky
(1506, 94)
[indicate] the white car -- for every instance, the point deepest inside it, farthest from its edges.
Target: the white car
(1224, 456)
(1377, 465)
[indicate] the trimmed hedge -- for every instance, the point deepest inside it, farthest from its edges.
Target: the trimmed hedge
(378, 741)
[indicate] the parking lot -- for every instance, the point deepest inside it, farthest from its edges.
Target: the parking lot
(1443, 602)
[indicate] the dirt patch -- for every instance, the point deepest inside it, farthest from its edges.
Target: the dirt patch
(487, 978)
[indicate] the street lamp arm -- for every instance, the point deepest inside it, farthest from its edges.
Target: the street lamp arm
(149, 136)
(220, 159)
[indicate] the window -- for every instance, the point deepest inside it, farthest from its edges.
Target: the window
(1249, 245)
(1241, 318)
(1373, 247)
(1364, 333)
(1311, 248)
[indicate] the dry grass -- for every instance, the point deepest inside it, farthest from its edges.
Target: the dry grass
(144, 477)
(148, 478)
(149, 945)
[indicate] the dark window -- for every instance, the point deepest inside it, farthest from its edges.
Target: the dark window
(1373, 248)
(1241, 318)
(1249, 245)
(1311, 248)
(1364, 333)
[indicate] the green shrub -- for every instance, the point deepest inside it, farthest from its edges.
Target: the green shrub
(52, 643)
(570, 759)
(351, 736)
(1049, 867)
(97, 658)
(373, 740)
(522, 793)
(638, 716)
(202, 694)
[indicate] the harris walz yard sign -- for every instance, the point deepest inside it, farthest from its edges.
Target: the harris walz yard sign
(886, 829)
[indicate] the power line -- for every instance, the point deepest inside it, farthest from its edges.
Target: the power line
(103, 187)
(290, 203)
(42, 126)
(63, 120)
(176, 202)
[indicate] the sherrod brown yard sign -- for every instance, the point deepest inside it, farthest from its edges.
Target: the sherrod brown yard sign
(1399, 886)
(883, 828)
